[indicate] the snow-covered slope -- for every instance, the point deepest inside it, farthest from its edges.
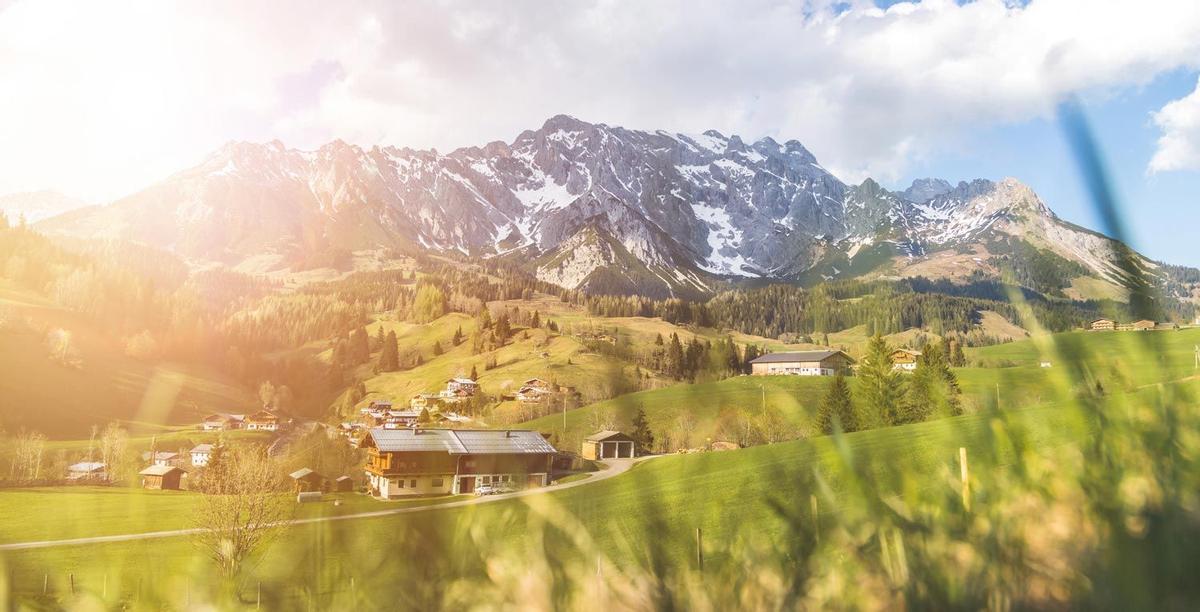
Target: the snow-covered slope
(583, 205)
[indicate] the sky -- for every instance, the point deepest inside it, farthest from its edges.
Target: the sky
(101, 99)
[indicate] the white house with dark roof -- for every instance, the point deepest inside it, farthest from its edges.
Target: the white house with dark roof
(201, 453)
(802, 363)
(408, 462)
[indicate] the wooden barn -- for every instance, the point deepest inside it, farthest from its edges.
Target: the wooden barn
(307, 480)
(343, 484)
(162, 477)
(608, 445)
(802, 363)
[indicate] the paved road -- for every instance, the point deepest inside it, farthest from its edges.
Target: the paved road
(615, 467)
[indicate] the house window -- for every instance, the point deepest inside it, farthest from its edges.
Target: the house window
(436, 483)
(400, 483)
(412, 483)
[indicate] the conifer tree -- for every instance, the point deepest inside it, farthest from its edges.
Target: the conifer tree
(837, 408)
(643, 438)
(437, 347)
(458, 336)
(474, 373)
(389, 355)
(879, 385)
(503, 329)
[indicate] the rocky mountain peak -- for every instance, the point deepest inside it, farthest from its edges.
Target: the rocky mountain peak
(657, 213)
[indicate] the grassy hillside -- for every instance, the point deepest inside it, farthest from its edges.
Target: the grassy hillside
(1008, 373)
(64, 401)
(562, 357)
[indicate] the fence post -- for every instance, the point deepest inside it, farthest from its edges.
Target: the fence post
(812, 500)
(71, 577)
(45, 584)
(966, 486)
(699, 550)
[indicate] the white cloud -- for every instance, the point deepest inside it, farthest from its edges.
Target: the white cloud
(100, 100)
(1179, 146)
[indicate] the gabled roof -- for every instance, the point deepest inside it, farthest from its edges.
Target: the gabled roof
(601, 436)
(462, 381)
(160, 455)
(202, 448)
(799, 356)
(304, 473)
(459, 441)
(906, 350)
(159, 470)
(87, 466)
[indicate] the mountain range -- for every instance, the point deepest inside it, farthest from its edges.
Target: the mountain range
(608, 209)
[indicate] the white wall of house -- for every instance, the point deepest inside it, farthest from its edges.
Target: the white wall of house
(200, 459)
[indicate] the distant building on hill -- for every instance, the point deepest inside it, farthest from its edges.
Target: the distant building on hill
(264, 420)
(905, 359)
(222, 422)
(802, 363)
(1110, 325)
(162, 458)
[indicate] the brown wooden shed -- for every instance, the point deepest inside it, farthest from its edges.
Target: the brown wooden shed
(343, 484)
(307, 480)
(165, 477)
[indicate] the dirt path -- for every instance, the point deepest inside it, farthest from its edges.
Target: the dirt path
(615, 467)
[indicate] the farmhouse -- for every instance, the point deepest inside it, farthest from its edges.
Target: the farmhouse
(1143, 325)
(803, 363)
(263, 420)
(1102, 325)
(462, 384)
(905, 359)
(608, 445)
(164, 477)
(201, 454)
(407, 462)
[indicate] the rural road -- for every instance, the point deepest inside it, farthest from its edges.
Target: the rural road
(615, 467)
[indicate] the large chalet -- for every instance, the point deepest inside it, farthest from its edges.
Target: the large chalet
(408, 462)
